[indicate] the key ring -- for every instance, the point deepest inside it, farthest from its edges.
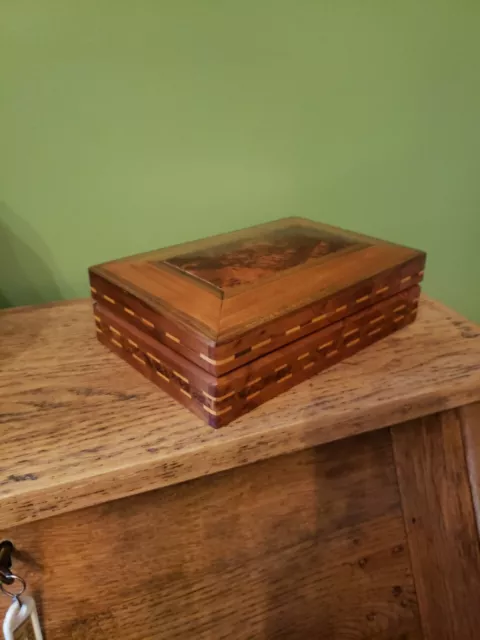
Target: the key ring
(11, 594)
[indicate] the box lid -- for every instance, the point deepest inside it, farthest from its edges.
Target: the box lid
(228, 299)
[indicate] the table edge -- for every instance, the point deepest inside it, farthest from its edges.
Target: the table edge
(49, 501)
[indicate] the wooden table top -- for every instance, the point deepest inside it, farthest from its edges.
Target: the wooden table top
(80, 427)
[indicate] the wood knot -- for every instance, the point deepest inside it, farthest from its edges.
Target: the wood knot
(22, 478)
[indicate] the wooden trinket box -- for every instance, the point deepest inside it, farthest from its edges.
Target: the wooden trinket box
(226, 323)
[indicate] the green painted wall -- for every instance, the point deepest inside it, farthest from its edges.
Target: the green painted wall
(127, 125)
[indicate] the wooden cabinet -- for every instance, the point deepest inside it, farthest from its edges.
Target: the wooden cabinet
(342, 510)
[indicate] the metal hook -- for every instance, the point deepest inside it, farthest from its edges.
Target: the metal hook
(6, 552)
(7, 578)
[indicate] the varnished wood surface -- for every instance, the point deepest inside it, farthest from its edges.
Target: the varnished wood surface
(309, 546)
(79, 427)
(225, 286)
(246, 388)
(221, 358)
(440, 522)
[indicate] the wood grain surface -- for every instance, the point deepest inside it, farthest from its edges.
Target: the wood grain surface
(226, 296)
(220, 400)
(440, 523)
(220, 358)
(470, 418)
(79, 427)
(305, 546)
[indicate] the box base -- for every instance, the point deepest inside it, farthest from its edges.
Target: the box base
(220, 400)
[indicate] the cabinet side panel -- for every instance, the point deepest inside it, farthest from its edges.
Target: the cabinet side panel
(440, 524)
(470, 417)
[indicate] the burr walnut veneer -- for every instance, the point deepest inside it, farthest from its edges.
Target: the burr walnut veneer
(226, 323)
(344, 509)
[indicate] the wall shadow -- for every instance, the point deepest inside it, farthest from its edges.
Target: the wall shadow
(25, 279)
(25, 275)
